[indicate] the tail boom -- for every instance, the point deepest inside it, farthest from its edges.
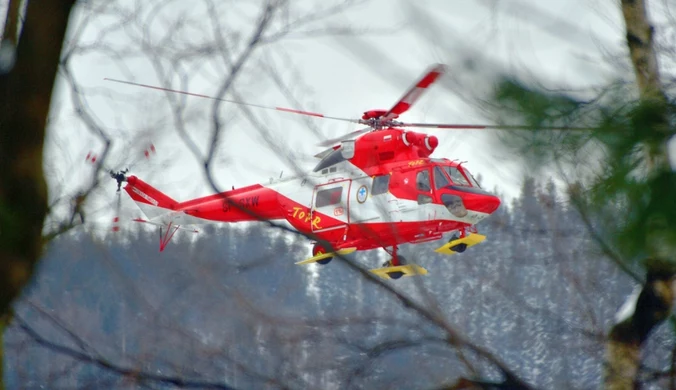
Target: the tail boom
(252, 203)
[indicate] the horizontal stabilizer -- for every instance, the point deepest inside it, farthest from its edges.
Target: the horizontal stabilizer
(398, 271)
(314, 259)
(459, 245)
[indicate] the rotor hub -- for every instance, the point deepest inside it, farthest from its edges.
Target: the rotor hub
(119, 177)
(373, 114)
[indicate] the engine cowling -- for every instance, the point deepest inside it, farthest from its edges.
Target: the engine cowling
(425, 144)
(388, 145)
(430, 143)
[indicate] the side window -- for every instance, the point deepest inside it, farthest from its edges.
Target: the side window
(440, 180)
(422, 181)
(424, 199)
(381, 184)
(329, 197)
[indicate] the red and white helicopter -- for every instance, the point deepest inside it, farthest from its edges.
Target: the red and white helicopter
(378, 190)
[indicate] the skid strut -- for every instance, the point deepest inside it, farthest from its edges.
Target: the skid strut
(164, 239)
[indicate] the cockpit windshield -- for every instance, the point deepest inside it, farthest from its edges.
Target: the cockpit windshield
(457, 176)
(471, 178)
(331, 159)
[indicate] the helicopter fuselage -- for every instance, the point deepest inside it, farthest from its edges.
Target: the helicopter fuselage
(374, 205)
(376, 187)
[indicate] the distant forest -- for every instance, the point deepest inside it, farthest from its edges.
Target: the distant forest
(230, 309)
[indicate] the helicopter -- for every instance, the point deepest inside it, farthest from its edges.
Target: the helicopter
(374, 188)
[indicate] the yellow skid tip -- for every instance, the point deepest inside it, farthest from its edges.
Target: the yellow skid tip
(314, 259)
(469, 240)
(398, 271)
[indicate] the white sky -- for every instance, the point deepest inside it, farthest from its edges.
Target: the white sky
(563, 43)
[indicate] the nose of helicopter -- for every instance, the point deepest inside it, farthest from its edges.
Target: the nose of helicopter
(490, 203)
(480, 200)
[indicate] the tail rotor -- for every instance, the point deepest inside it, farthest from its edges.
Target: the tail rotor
(120, 176)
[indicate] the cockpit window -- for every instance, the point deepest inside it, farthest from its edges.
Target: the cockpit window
(472, 179)
(423, 181)
(331, 159)
(440, 180)
(457, 176)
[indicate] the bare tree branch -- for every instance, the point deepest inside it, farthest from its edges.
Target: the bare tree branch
(102, 363)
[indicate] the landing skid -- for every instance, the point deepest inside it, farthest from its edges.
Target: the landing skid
(395, 268)
(459, 245)
(324, 256)
(396, 272)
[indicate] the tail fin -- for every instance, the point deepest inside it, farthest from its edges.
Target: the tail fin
(150, 200)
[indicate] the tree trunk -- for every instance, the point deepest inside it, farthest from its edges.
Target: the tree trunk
(641, 48)
(12, 22)
(26, 89)
(627, 337)
(625, 340)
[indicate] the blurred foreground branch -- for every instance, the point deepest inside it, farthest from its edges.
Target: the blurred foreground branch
(26, 81)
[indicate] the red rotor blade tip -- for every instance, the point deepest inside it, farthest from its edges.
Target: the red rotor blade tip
(431, 77)
(414, 93)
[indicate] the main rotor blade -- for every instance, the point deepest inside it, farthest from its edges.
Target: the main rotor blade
(479, 127)
(414, 93)
(344, 137)
(284, 109)
(447, 126)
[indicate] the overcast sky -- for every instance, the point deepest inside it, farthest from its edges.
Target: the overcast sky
(561, 43)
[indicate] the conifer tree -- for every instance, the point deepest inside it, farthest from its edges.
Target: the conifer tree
(626, 200)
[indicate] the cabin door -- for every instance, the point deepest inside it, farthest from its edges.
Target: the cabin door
(330, 206)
